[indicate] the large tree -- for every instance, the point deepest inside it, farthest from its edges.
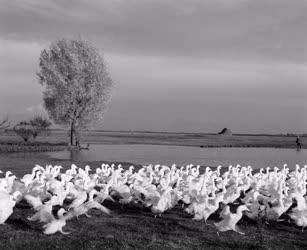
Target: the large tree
(76, 84)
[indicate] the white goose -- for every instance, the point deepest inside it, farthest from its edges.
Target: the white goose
(28, 178)
(230, 220)
(80, 197)
(90, 204)
(300, 218)
(56, 225)
(7, 203)
(44, 212)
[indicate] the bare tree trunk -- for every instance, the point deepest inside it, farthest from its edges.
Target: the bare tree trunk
(72, 131)
(77, 139)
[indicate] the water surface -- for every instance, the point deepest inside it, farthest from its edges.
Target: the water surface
(181, 155)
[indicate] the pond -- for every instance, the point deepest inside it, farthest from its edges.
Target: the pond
(182, 155)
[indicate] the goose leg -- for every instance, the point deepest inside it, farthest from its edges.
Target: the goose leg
(65, 233)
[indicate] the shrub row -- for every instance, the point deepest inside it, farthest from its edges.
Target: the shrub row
(37, 147)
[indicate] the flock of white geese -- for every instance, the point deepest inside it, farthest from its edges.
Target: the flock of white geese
(267, 194)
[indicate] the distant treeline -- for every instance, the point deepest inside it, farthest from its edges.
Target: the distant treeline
(165, 132)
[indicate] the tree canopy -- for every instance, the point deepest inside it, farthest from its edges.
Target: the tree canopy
(77, 85)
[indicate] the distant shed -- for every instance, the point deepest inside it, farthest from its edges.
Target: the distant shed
(225, 131)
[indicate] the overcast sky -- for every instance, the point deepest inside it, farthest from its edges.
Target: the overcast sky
(178, 65)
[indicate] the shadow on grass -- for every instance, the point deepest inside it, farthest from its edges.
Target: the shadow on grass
(134, 228)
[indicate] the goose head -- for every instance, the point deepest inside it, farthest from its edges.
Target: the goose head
(61, 213)
(208, 170)
(87, 169)
(242, 208)
(38, 167)
(218, 170)
(131, 168)
(8, 174)
(48, 168)
(56, 170)
(173, 167)
(92, 193)
(17, 195)
(73, 167)
(98, 170)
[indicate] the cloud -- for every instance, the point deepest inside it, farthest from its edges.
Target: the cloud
(189, 63)
(259, 29)
(16, 53)
(19, 87)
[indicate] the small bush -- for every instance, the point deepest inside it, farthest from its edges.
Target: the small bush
(39, 124)
(32, 128)
(4, 124)
(24, 130)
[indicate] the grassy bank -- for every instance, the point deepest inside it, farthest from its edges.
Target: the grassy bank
(159, 138)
